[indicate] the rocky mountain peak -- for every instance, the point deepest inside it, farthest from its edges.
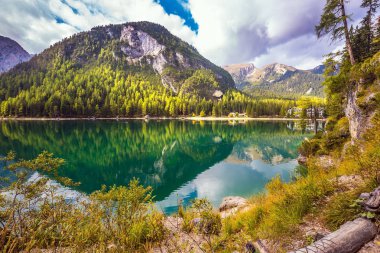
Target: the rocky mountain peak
(278, 68)
(277, 79)
(11, 54)
(240, 72)
(139, 44)
(320, 69)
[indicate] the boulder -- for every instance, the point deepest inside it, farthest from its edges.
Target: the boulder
(372, 201)
(302, 159)
(232, 202)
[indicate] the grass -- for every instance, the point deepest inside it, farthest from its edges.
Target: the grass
(278, 214)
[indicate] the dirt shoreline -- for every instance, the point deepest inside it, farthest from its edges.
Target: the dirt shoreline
(157, 118)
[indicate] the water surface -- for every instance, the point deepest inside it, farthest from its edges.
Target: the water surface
(179, 159)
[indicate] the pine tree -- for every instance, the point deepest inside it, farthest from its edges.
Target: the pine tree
(334, 22)
(367, 24)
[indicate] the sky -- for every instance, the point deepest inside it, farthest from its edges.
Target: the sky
(224, 31)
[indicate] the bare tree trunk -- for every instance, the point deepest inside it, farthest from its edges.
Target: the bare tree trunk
(346, 33)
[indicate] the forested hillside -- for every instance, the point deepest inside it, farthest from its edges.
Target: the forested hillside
(117, 70)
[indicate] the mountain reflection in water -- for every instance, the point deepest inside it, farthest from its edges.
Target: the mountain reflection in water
(179, 159)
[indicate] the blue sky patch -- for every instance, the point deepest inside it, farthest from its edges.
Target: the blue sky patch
(59, 20)
(177, 7)
(75, 11)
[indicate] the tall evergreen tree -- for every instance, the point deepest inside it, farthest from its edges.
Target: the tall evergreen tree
(334, 22)
(367, 24)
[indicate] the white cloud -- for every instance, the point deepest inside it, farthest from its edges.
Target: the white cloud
(261, 31)
(304, 52)
(230, 31)
(147, 10)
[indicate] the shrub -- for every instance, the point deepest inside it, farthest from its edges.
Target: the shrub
(34, 215)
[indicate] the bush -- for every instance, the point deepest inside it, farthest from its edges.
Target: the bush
(34, 215)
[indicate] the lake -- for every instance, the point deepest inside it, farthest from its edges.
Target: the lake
(180, 159)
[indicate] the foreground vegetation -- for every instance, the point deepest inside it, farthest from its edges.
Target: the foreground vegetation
(34, 215)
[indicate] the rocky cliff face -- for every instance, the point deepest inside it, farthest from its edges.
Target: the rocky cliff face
(240, 72)
(276, 80)
(11, 54)
(354, 115)
(140, 47)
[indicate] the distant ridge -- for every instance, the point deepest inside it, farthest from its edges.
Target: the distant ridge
(277, 80)
(11, 54)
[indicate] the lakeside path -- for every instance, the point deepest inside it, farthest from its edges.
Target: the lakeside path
(159, 118)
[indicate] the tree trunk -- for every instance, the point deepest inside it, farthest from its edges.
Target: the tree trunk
(346, 33)
(349, 238)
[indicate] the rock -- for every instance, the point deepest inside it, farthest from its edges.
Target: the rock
(232, 202)
(141, 44)
(351, 181)
(349, 238)
(372, 204)
(218, 94)
(196, 221)
(112, 246)
(302, 159)
(359, 120)
(325, 162)
(364, 195)
(250, 248)
(240, 72)
(315, 235)
(260, 247)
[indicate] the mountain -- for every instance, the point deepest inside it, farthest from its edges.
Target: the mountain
(137, 47)
(277, 80)
(319, 70)
(239, 72)
(11, 54)
(129, 69)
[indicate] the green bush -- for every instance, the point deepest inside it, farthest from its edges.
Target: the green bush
(35, 216)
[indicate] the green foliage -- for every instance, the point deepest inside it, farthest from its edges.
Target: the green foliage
(201, 83)
(103, 92)
(334, 22)
(201, 217)
(320, 144)
(300, 171)
(344, 207)
(34, 215)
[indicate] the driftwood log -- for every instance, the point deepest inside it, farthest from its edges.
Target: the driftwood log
(349, 238)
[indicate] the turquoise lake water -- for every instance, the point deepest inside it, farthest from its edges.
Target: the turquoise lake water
(181, 160)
